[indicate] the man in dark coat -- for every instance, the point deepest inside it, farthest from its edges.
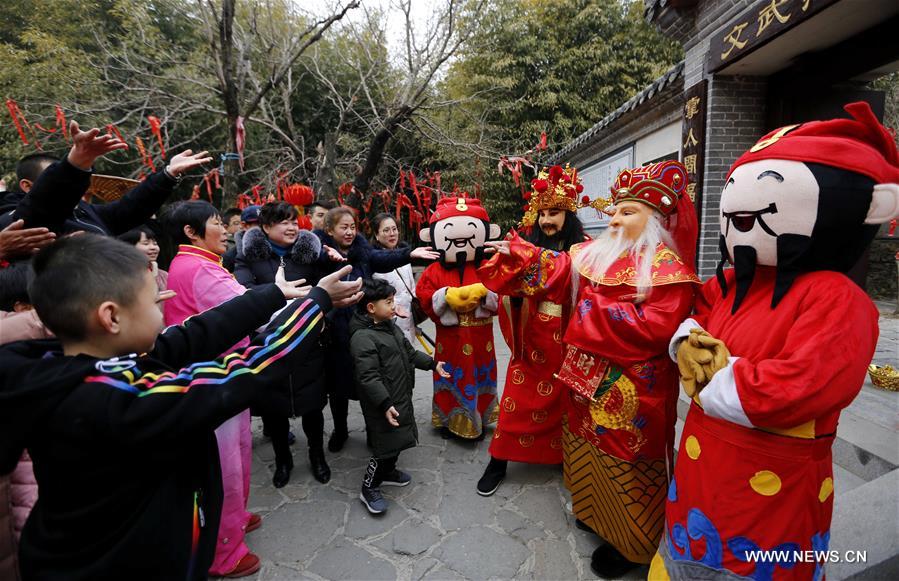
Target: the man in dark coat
(54, 199)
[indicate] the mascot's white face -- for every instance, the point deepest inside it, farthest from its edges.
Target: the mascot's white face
(765, 199)
(459, 238)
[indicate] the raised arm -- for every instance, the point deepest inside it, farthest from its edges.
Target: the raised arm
(57, 190)
(164, 408)
(138, 205)
(521, 269)
(205, 336)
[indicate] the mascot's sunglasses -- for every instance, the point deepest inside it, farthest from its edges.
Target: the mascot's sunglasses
(745, 221)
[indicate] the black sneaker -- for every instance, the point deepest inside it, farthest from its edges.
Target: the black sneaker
(492, 478)
(373, 500)
(396, 478)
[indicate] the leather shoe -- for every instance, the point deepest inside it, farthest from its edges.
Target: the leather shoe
(337, 440)
(282, 474)
(608, 563)
(320, 469)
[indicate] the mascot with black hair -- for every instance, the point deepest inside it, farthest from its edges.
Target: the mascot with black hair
(462, 309)
(778, 345)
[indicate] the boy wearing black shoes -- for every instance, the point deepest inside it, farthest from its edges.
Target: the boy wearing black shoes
(385, 365)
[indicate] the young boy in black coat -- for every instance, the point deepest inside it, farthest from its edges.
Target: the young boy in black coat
(385, 372)
(123, 445)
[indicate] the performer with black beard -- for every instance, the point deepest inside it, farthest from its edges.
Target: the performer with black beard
(533, 402)
(778, 345)
(462, 309)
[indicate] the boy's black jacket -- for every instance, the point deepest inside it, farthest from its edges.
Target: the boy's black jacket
(385, 365)
(124, 450)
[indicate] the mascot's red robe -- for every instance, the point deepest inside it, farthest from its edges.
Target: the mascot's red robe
(769, 485)
(623, 387)
(465, 402)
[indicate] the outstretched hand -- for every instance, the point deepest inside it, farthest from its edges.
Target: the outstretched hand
(15, 240)
(333, 255)
(187, 160)
(499, 246)
(342, 293)
(424, 253)
(441, 370)
(293, 289)
(88, 145)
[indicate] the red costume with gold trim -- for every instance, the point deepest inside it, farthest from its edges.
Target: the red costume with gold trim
(533, 402)
(622, 397)
(532, 406)
(451, 294)
(754, 467)
(623, 386)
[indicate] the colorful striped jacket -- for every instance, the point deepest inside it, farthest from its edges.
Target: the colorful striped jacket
(124, 450)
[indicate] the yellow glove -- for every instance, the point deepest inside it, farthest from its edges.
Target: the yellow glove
(465, 298)
(699, 357)
(720, 353)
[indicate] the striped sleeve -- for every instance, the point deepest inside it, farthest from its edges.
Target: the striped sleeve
(202, 395)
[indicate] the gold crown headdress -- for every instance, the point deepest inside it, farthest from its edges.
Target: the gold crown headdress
(557, 188)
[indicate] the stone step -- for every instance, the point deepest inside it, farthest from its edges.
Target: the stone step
(867, 519)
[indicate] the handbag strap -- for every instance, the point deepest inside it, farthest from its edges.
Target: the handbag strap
(402, 280)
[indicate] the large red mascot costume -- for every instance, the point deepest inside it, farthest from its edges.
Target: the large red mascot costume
(463, 309)
(778, 346)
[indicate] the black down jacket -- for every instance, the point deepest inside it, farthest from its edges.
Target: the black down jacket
(256, 264)
(385, 374)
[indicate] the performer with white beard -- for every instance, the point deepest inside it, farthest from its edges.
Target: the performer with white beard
(629, 290)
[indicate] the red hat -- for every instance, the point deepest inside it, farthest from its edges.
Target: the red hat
(663, 187)
(860, 145)
(658, 185)
(461, 205)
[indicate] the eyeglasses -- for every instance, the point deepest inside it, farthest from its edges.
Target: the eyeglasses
(745, 221)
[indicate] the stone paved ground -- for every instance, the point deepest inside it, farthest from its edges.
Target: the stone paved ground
(438, 528)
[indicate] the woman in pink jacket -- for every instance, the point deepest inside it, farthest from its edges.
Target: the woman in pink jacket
(201, 282)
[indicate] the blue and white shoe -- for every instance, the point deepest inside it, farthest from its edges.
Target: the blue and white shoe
(397, 478)
(373, 500)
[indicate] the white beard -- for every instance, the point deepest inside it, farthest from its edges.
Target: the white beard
(598, 255)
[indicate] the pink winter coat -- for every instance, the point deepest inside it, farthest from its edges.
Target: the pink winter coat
(18, 491)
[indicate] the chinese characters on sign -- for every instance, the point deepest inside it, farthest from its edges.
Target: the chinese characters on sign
(693, 143)
(756, 25)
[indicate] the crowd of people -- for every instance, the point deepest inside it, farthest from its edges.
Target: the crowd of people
(127, 390)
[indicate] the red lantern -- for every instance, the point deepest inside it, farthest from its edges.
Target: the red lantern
(299, 195)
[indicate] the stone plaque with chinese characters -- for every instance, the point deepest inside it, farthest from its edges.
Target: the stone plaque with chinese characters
(758, 24)
(693, 140)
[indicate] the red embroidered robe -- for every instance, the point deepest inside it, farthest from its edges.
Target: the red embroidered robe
(466, 402)
(754, 467)
(623, 386)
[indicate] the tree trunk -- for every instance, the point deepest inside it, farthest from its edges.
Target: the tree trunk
(376, 148)
(230, 183)
(326, 175)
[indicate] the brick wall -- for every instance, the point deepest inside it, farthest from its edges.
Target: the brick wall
(736, 120)
(736, 106)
